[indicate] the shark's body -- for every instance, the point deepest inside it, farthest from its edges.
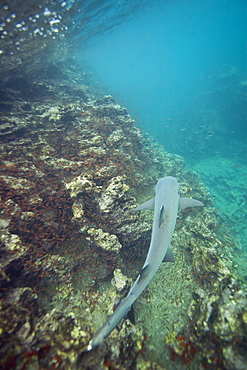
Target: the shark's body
(165, 204)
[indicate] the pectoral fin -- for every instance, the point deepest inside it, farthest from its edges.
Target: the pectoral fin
(189, 202)
(146, 205)
(169, 257)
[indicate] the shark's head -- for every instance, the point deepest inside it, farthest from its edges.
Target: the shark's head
(166, 183)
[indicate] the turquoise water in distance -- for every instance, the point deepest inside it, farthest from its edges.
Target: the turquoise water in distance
(181, 70)
(178, 66)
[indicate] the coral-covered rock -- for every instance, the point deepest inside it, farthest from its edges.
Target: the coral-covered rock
(74, 166)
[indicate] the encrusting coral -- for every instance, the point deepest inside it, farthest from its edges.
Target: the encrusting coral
(74, 165)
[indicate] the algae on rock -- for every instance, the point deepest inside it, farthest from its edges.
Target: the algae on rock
(74, 167)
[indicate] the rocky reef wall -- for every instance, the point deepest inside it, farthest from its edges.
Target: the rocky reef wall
(73, 167)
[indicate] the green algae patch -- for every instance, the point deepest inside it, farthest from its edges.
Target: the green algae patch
(73, 170)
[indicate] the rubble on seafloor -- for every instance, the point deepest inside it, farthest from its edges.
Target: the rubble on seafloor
(74, 165)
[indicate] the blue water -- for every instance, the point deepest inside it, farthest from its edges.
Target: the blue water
(178, 67)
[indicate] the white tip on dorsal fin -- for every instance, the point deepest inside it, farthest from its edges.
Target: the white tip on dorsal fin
(162, 217)
(146, 205)
(169, 257)
(189, 202)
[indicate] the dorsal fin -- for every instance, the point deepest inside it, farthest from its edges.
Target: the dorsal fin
(162, 215)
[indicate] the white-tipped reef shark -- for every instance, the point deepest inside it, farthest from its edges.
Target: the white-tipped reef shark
(165, 204)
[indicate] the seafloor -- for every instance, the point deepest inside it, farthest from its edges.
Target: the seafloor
(73, 168)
